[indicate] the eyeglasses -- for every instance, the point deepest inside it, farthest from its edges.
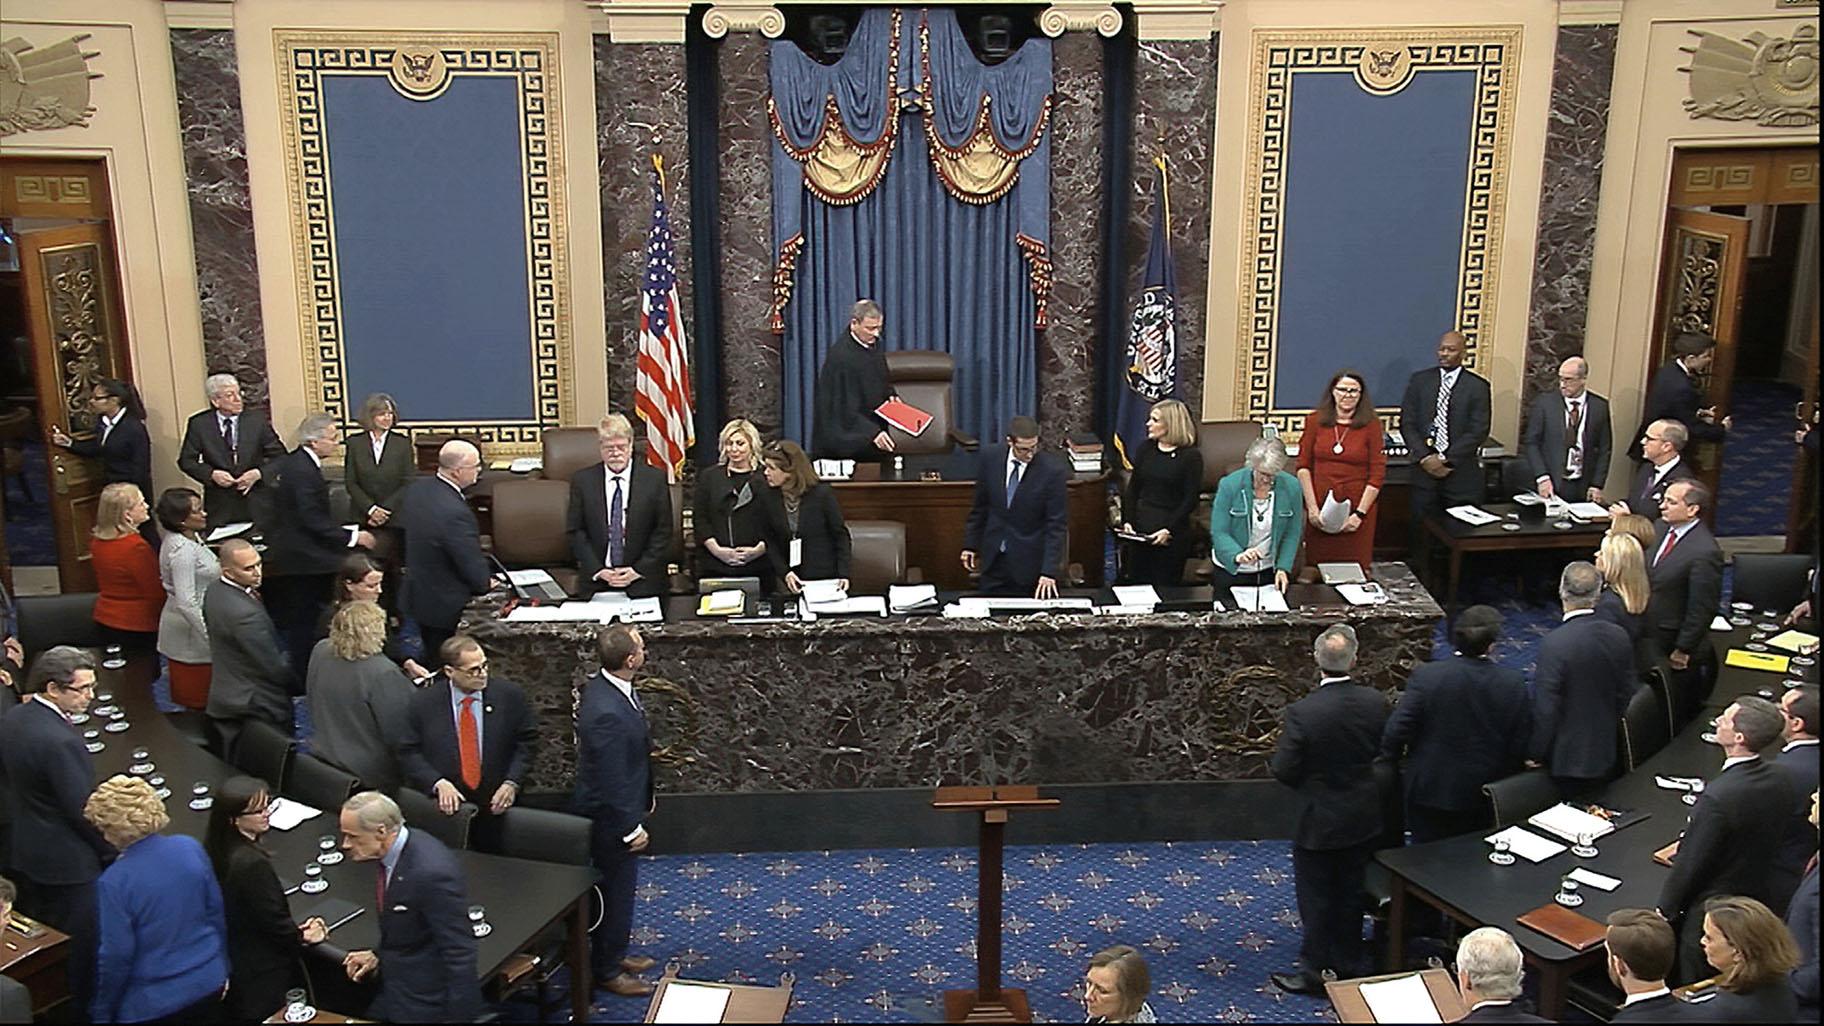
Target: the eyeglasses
(79, 688)
(478, 670)
(1341, 390)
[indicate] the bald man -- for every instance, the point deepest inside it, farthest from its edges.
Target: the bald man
(1567, 440)
(444, 566)
(1444, 419)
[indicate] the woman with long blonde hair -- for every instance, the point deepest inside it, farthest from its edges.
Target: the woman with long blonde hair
(730, 514)
(130, 594)
(1625, 589)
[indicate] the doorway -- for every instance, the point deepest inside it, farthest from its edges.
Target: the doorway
(1741, 265)
(61, 331)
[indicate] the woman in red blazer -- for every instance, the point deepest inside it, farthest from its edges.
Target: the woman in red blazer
(126, 570)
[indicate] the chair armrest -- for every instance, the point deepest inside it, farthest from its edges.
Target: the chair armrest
(969, 443)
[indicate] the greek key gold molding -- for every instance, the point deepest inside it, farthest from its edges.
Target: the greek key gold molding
(1494, 54)
(1058, 19)
(531, 59)
(765, 19)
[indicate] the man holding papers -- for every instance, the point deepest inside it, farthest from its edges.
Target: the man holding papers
(1567, 439)
(1015, 533)
(620, 517)
(851, 384)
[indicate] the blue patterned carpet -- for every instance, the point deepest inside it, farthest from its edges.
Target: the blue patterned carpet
(1757, 460)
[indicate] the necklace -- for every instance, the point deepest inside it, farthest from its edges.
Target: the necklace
(1341, 433)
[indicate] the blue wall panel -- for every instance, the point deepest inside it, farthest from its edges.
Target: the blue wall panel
(430, 236)
(1372, 231)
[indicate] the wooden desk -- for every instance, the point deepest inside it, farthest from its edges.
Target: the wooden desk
(936, 512)
(38, 962)
(1460, 538)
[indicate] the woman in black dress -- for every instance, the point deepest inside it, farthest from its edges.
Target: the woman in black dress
(804, 520)
(730, 510)
(263, 942)
(1161, 493)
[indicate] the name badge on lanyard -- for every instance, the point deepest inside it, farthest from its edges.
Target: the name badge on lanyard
(797, 553)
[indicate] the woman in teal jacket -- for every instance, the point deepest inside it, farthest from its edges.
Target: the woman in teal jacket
(1256, 520)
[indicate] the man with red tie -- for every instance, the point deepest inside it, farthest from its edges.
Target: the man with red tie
(1685, 571)
(468, 739)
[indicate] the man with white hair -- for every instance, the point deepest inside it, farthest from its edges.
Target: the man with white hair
(1488, 975)
(306, 540)
(444, 566)
(1567, 440)
(225, 448)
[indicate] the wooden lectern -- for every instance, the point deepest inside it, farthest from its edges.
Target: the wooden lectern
(989, 1002)
(746, 1002)
(1346, 996)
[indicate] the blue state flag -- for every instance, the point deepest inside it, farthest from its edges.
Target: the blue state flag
(1149, 372)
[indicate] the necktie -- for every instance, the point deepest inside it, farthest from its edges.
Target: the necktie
(234, 452)
(468, 743)
(616, 526)
(1013, 481)
(1573, 419)
(379, 886)
(1440, 421)
(1671, 540)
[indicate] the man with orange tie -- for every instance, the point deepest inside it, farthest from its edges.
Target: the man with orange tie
(468, 739)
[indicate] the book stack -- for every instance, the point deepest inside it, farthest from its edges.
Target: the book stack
(1085, 453)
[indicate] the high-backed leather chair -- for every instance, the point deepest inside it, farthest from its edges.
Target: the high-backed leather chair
(529, 527)
(568, 450)
(878, 555)
(922, 378)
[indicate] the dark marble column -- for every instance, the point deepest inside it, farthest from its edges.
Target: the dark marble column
(1175, 113)
(752, 374)
(639, 92)
(1584, 67)
(221, 212)
(1068, 349)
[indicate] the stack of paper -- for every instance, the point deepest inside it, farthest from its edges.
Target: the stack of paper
(1334, 514)
(1401, 999)
(1526, 844)
(727, 602)
(1141, 595)
(1588, 511)
(1029, 604)
(1369, 594)
(286, 813)
(1793, 641)
(835, 470)
(822, 593)
(860, 605)
(526, 465)
(1265, 599)
(1571, 823)
(1342, 573)
(904, 598)
(227, 531)
(1473, 516)
(1590, 878)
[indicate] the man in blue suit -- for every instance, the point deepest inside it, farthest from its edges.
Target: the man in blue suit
(1581, 685)
(444, 567)
(56, 853)
(426, 958)
(1015, 533)
(468, 738)
(1462, 723)
(614, 789)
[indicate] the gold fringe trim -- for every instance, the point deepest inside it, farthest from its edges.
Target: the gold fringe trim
(981, 170)
(837, 168)
(1039, 277)
(785, 270)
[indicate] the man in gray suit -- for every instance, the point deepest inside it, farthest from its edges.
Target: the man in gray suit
(252, 677)
(1685, 572)
(1567, 439)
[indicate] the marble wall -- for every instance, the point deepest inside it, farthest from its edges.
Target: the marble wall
(640, 107)
(752, 369)
(1584, 68)
(221, 212)
(1175, 113)
(1068, 349)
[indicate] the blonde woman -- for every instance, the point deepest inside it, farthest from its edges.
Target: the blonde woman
(1637, 527)
(359, 699)
(130, 593)
(730, 516)
(164, 939)
(1160, 495)
(1625, 590)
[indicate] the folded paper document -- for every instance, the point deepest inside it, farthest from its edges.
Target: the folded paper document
(728, 602)
(902, 598)
(1793, 641)
(1473, 516)
(1265, 599)
(1334, 515)
(227, 531)
(1136, 595)
(1526, 844)
(1570, 823)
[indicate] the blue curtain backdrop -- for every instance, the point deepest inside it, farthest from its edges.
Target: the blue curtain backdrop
(949, 274)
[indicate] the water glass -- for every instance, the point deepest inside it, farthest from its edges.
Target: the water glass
(1567, 893)
(478, 921)
(327, 855)
(200, 798)
(113, 659)
(1585, 848)
(1502, 855)
(297, 1006)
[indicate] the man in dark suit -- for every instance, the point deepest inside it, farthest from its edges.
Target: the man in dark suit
(1685, 575)
(1015, 533)
(15, 998)
(1326, 754)
(1798, 758)
(1732, 845)
(427, 954)
(252, 679)
(620, 517)
(1802, 920)
(305, 540)
(1444, 418)
(225, 448)
(444, 567)
(468, 738)
(1662, 443)
(56, 852)
(1641, 946)
(851, 384)
(1461, 723)
(1583, 679)
(614, 789)
(1673, 394)
(1567, 439)
(1489, 971)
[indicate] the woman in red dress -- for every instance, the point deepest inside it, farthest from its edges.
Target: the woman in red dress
(1340, 454)
(126, 570)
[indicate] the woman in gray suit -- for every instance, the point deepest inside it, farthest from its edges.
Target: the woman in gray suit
(378, 464)
(359, 699)
(185, 566)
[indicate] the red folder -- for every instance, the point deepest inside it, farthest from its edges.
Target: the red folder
(903, 415)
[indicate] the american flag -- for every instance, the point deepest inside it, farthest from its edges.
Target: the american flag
(662, 388)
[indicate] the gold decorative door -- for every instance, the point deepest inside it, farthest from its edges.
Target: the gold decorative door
(72, 308)
(1706, 265)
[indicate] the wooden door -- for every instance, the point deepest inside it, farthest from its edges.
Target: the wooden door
(72, 310)
(1706, 265)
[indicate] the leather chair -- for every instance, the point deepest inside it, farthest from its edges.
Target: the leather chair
(529, 515)
(421, 813)
(49, 620)
(318, 784)
(1644, 729)
(542, 836)
(568, 450)
(923, 379)
(1514, 798)
(1773, 581)
(878, 558)
(262, 752)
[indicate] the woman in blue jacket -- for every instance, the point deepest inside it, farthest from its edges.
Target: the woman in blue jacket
(1256, 521)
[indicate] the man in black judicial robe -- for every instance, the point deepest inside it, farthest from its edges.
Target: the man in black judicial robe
(852, 383)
